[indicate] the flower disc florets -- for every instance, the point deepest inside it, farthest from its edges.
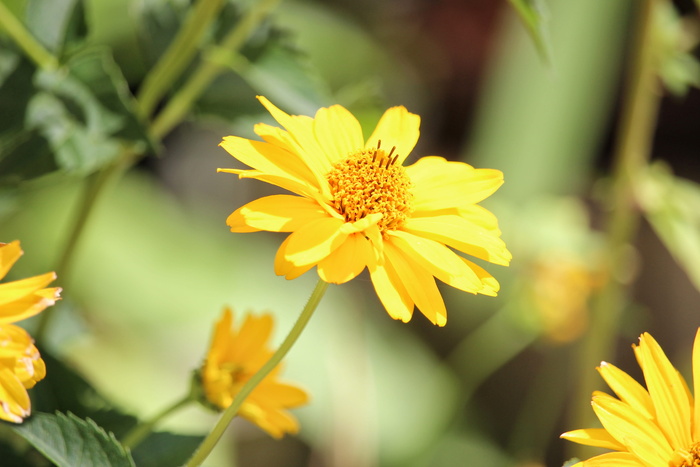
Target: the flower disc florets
(690, 457)
(369, 181)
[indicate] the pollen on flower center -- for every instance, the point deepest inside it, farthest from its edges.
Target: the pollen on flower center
(687, 457)
(369, 181)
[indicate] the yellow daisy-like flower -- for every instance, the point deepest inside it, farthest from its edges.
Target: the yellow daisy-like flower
(21, 365)
(654, 427)
(23, 298)
(357, 206)
(233, 358)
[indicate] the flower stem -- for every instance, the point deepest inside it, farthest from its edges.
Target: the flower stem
(639, 113)
(23, 38)
(178, 55)
(212, 438)
(134, 437)
(182, 101)
(90, 195)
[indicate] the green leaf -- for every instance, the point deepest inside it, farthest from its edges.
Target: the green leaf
(55, 22)
(24, 153)
(165, 449)
(86, 112)
(69, 441)
(531, 13)
(674, 40)
(672, 206)
(65, 390)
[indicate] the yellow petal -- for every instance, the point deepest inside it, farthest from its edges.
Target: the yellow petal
(438, 260)
(338, 132)
(11, 291)
(489, 284)
(276, 213)
(597, 437)
(461, 235)
(667, 391)
(642, 437)
(270, 159)
(614, 459)
(14, 400)
(286, 268)
(397, 128)
(279, 394)
(391, 291)
(305, 144)
(696, 385)
(440, 184)
(251, 339)
(9, 254)
(347, 261)
(419, 284)
(627, 389)
(28, 306)
(315, 240)
(289, 184)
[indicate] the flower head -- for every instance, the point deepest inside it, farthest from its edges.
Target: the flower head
(23, 298)
(654, 427)
(233, 358)
(21, 365)
(356, 206)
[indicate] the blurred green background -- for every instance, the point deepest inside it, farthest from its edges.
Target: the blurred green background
(492, 388)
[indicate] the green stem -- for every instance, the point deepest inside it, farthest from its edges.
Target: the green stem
(640, 109)
(134, 437)
(90, 196)
(212, 438)
(178, 55)
(177, 107)
(31, 47)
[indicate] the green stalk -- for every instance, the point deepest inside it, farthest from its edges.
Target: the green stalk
(178, 55)
(177, 107)
(640, 109)
(91, 193)
(31, 47)
(134, 437)
(212, 438)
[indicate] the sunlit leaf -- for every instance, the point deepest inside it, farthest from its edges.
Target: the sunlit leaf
(55, 22)
(532, 14)
(675, 39)
(672, 206)
(69, 441)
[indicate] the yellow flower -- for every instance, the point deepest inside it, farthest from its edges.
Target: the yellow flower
(23, 298)
(654, 427)
(21, 365)
(357, 206)
(233, 358)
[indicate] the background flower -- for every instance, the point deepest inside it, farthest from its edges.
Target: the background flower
(235, 355)
(21, 365)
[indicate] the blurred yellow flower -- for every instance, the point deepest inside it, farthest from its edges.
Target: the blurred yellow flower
(654, 427)
(23, 298)
(233, 358)
(358, 207)
(559, 287)
(21, 365)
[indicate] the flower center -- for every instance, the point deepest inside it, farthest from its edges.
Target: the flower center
(687, 457)
(368, 182)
